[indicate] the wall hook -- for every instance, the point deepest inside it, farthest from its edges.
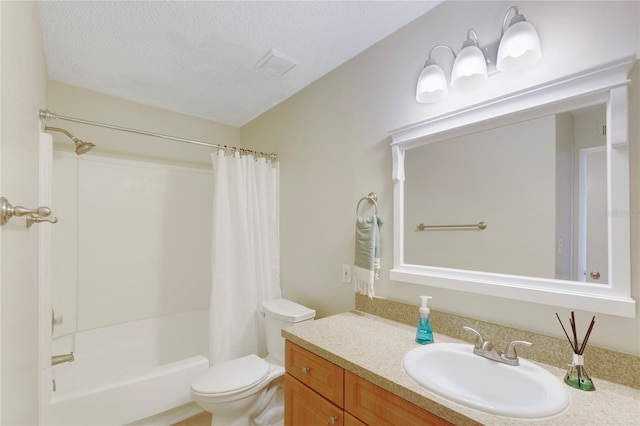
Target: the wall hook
(34, 218)
(7, 211)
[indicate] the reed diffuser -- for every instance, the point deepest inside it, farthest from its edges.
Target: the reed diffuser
(577, 376)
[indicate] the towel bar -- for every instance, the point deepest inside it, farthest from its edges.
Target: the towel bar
(481, 226)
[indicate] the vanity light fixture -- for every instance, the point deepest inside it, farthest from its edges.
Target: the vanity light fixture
(519, 44)
(470, 67)
(519, 48)
(432, 82)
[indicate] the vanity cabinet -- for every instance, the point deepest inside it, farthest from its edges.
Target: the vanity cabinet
(318, 392)
(375, 406)
(303, 406)
(313, 389)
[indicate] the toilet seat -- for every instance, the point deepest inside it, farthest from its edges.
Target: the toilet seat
(230, 377)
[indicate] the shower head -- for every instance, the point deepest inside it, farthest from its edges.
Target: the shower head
(81, 146)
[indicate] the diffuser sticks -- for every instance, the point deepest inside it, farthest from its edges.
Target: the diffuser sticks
(577, 376)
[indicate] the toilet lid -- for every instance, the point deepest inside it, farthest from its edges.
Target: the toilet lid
(232, 376)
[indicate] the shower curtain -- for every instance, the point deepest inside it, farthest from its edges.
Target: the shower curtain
(245, 254)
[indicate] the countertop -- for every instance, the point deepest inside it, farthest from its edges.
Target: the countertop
(373, 347)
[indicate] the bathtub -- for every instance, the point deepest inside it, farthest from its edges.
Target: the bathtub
(129, 372)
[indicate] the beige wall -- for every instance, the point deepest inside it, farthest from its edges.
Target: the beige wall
(23, 93)
(332, 139)
(72, 101)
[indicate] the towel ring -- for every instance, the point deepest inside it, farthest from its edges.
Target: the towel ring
(372, 198)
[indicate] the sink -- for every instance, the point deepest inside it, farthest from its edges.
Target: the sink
(454, 372)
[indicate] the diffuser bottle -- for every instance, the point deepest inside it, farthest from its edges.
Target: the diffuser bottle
(424, 335)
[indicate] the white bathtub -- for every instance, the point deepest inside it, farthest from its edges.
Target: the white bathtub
(128, 372)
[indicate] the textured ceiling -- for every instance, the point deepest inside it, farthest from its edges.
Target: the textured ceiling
(198, 58)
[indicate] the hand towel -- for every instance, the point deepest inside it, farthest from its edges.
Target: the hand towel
(367, 260)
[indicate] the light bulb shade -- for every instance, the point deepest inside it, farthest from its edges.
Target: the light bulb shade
(519, 47)
(469, 69)
(432, 84)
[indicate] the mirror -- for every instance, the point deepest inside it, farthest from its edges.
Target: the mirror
(550, 189)
(539, 186)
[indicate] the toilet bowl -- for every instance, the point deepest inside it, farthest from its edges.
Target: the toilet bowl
(248, 391)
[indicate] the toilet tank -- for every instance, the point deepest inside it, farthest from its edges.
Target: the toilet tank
(281, 313)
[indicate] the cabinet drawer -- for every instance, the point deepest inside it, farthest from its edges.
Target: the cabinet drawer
(302, 406)
(376, 406)
(319, 374)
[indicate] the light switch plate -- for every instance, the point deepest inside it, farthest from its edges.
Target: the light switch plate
(346, 273)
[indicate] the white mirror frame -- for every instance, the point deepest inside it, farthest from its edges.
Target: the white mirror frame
(604, 84)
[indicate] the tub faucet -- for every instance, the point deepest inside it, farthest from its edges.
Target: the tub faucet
(484, 348)
(59, 359)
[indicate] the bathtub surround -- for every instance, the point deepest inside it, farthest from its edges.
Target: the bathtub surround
(124, 251)
(601, 363)
(245, 262)
(130, 282)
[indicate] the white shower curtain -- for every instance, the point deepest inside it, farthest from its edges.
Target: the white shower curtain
(245, 254)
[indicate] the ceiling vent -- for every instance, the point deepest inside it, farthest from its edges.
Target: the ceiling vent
(276, 63)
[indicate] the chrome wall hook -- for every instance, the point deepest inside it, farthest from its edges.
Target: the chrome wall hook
(7, 211)
(34, 218)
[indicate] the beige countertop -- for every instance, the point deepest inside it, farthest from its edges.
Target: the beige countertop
(373, 347)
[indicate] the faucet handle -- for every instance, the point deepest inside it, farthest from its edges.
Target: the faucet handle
(510, 353)
(479, 344)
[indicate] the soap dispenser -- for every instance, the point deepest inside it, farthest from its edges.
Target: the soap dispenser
(424, 335)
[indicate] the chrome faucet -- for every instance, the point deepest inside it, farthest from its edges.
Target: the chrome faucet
(59, 359)
(484, 348)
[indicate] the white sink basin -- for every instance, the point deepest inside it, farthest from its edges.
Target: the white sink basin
(454, 372)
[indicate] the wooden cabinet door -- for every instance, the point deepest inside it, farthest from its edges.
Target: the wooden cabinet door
(378, 407)
(304, 407)
(349, 420)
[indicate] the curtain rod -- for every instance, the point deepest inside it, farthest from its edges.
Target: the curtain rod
(48, 115)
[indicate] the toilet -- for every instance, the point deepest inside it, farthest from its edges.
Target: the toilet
(248, 391)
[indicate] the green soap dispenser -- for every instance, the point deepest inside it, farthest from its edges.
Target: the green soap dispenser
(424, 335)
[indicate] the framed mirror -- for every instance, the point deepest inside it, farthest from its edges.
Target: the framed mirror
(524, 197)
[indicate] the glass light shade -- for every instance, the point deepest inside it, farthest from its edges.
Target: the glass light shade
(432, 84)
(519, 47)
(470, 69)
